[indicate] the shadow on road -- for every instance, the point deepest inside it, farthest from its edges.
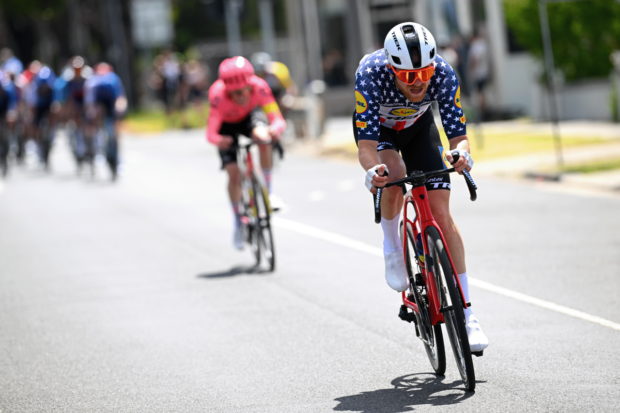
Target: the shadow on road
(409, 391)
(234, 271)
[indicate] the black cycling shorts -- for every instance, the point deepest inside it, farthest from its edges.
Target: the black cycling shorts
(420, 147)
(255, 118)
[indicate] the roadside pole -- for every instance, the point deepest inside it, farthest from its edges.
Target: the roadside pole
(233, 30)
(550, 69)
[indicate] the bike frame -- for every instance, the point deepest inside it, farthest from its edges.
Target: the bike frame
(423, 219)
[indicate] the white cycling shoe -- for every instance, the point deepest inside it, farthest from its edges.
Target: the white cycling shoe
(395, 271)
(477, 340)
(276, 202)
(238, 238)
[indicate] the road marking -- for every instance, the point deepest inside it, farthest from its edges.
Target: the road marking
(316, 196)
(1, 187)
(360, 246)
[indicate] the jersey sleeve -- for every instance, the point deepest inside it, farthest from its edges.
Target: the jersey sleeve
(367, 118)
(449, 101)
(215, 119)
(119, 90)
(269, 105)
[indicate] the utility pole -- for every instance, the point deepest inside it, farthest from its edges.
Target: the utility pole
(550, 69)
(233, 30)
(265, 8)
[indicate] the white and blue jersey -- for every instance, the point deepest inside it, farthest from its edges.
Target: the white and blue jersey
(380, 103)
(8, 94)
(103, 89)
(40, 91)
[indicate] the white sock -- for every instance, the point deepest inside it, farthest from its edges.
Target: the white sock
(465, 288)
(391, 240)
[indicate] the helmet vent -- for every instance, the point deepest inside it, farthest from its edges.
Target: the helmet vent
(432, 53)
(396, 60)
(408, 29)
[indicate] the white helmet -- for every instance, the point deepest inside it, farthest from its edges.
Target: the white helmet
(410, 46)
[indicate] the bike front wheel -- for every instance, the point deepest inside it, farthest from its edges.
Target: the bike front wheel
(451, 306)
(265, 235)
(431, 335)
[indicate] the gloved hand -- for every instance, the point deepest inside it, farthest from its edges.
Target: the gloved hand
(465, 160)
(376, 177)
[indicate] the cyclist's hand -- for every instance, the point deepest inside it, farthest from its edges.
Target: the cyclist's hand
(375, 178)
(275, 136)
(465, 160)
(225, 142)
(261, 135)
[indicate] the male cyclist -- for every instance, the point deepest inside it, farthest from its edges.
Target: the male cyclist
(278, 77)
(8, 116)
(237, 98)
(70, 94)
(40, 96)
(394, 89)
(105, 102)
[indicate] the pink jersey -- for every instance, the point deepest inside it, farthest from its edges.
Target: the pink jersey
(224, 109)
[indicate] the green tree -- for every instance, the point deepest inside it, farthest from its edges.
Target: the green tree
(32, 8)
(583, 34)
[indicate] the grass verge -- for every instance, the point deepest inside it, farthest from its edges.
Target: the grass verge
(594, 166)
(156, 121)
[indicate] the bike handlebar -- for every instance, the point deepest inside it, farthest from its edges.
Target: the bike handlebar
(419, 178)
(276, 145)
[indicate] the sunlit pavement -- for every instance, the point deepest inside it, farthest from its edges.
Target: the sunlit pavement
(130, 297)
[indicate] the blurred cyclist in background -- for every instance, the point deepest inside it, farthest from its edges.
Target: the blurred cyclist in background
(40, 96)
(8, 116)
(105, 102)
(237, 98)
(69, 93)
(278, 77)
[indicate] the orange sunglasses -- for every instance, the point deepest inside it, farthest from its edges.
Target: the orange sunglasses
(409, 76)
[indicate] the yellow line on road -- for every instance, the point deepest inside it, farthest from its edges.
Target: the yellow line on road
(360, 246)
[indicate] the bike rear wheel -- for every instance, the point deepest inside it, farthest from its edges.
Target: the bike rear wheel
(431, 336)
(451, 306)
(265, 235)
(5, 146)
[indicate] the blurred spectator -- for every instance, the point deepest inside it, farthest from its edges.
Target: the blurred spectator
(479, 67)
(333, 68)
(196, 76)
(447, 51)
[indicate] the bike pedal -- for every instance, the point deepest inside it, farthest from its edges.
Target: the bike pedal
(477, 353)
(404, 315)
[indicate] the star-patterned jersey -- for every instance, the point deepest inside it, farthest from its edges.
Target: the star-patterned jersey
(379, 102)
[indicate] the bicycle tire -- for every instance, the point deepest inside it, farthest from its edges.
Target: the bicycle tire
(454, 316)
(436, 351)
(265, 235)
(249, 219)
(5, 146)
(45, 142)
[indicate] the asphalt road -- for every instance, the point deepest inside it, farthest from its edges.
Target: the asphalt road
(129, 297)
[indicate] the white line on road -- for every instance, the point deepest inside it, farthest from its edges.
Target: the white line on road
(360, 246)
(1, 187)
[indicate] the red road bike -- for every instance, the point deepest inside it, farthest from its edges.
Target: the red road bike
(434, 296)
(256, 208)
